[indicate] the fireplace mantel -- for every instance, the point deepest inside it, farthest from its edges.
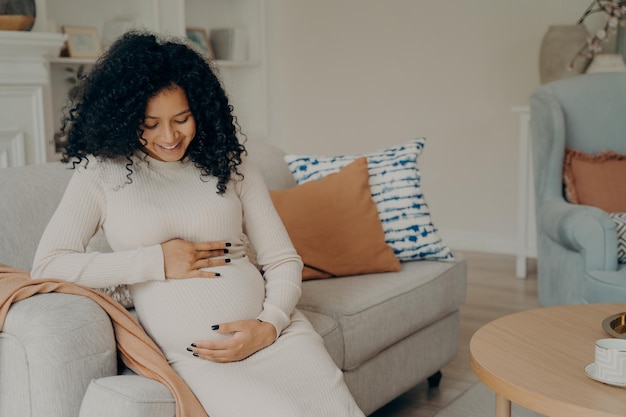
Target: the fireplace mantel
(24, 95)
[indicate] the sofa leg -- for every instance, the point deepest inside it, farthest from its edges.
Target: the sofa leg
(434, 379)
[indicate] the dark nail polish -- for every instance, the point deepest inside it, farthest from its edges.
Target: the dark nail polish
(189, 349)
(194, 345)
(227, 260)
(215, 327)
(196, 355)
(225, 250)
(217, 274)
(228, 244)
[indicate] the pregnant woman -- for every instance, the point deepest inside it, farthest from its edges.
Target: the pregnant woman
(158, 167)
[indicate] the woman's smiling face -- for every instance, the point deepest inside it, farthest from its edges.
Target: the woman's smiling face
(168, 126)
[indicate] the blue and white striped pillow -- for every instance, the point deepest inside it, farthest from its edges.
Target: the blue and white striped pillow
(395, 186)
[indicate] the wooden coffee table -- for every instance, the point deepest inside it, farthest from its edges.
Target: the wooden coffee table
(536, 359)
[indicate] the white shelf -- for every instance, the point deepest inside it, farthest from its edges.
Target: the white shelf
(69, 60)
(235, 64)
(218, 62)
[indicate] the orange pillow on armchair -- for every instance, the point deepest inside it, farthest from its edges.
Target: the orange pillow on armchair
(595, 180)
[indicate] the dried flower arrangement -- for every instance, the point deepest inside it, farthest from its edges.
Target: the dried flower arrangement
(616, 15)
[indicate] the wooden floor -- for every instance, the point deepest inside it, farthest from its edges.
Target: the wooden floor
(492, 291)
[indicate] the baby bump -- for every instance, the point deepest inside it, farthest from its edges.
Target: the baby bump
(177, 312)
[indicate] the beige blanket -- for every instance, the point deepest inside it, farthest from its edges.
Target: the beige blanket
(138, 351)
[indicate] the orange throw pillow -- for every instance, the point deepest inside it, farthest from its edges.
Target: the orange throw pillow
(595, 180)
(334, 225)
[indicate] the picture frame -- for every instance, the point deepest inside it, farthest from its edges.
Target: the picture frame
(82, 41)
(199, 39)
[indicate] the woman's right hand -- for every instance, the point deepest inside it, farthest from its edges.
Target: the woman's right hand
(184, 259)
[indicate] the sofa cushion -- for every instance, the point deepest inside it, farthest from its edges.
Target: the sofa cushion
(377, 310)
(595, 179)
(395, 182)
(334, 226)
(330, 332)
(127, 395)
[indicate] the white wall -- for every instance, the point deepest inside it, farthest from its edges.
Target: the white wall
(351, 76)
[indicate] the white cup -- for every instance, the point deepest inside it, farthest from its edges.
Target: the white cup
(611, 360)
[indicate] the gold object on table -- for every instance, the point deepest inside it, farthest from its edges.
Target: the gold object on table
(615, 325)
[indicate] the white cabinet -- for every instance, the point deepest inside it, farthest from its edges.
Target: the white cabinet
(245, 80)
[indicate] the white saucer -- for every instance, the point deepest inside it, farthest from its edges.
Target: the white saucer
(590, 370)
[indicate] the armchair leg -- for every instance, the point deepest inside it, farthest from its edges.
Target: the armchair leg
(434, 379)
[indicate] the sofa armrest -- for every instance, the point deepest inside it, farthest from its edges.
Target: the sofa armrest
(583, 229)
(57, 343)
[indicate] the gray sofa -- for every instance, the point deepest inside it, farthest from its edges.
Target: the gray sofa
(387, 332)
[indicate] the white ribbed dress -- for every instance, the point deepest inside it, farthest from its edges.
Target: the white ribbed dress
(294, 376)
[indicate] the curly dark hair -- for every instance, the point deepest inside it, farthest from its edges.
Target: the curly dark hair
(105, 118)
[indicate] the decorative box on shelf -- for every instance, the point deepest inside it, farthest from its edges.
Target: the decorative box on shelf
(230, 44)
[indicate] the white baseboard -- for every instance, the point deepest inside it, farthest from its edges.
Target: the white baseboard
(479, 242)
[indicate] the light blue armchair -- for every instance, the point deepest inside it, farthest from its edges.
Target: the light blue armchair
(576, 244)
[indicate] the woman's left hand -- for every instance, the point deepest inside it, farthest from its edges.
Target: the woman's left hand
(248, 337)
